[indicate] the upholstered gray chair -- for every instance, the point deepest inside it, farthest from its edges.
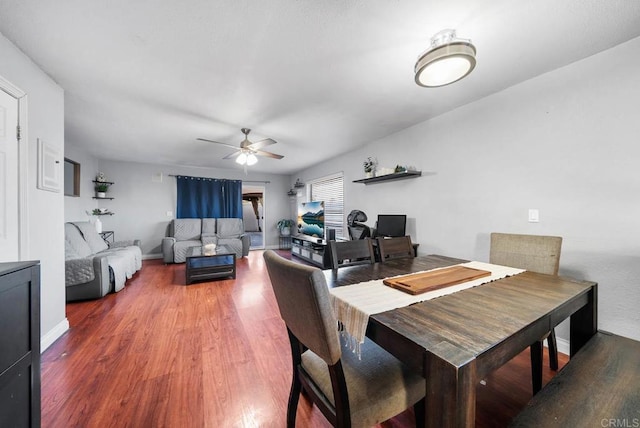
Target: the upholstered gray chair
(538, 254)
(395, 248)
(347, 253)
(349, 391)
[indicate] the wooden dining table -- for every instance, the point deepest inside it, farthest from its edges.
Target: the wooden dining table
(458, 339)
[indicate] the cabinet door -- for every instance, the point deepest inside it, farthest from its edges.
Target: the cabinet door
(20, 345)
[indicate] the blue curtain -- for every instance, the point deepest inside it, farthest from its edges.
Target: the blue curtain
(200, 197)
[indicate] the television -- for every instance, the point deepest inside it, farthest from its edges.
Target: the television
(311, 219)
(391, 225)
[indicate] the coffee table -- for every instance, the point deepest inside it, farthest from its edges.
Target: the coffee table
(201, 267)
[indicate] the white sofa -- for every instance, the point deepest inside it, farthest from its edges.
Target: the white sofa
(184, 233)
(92, 267)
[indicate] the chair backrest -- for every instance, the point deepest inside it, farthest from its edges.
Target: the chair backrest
(359, 231)
(303, 299)
(395, 248)
(532, 252)
(348, 253)
(187, 229)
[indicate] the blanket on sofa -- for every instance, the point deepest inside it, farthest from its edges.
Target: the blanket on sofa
(123, 261)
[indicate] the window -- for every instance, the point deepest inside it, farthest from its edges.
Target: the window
(330, 189)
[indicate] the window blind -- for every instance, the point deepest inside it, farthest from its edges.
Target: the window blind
(330, 189)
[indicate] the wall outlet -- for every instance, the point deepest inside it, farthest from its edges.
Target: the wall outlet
(534, 215)
(169, 213)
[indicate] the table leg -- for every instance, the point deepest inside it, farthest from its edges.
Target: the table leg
(584, 322)
(451, 393)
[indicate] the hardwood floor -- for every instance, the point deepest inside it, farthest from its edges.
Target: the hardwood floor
(212, 354)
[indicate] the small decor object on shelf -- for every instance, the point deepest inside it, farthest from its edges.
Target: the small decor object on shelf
(100, 177)
(101, 189)
(99, 211)
(299, 184)
(285, 226)
(369, 167)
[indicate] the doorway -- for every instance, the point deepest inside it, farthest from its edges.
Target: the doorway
(253, 214)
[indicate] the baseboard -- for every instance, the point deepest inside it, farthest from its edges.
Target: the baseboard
(563, 346)
(53, 334)
(151, 256)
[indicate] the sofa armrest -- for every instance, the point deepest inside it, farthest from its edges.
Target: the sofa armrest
(167, 249)
(97, 281)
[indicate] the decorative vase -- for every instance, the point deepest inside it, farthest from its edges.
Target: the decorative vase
(101, 194)
(285, 231)
(368, 174)
(98, 225)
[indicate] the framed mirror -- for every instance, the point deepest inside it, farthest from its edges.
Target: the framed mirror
(71, 178)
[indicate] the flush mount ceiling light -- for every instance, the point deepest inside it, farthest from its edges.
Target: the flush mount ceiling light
(447, 60)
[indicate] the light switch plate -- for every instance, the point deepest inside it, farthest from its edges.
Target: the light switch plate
(534, 215)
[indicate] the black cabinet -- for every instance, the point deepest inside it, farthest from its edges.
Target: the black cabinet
(312, 250)
(20, 344)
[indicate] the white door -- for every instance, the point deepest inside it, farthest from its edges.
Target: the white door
(9, 221)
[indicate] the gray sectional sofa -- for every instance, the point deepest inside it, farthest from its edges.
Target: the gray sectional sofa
(184, 233)
(94, 268)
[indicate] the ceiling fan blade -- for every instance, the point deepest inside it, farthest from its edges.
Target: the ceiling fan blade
(216, 142)
(267, 154)
(262, 143)
(232, 155)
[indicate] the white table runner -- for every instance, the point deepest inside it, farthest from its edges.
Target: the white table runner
(353, 304)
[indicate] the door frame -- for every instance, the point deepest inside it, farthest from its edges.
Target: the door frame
(262, 189)
(23, 167)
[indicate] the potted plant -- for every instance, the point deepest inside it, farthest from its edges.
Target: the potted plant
(285, 226)
(369, 167)
(101, 190)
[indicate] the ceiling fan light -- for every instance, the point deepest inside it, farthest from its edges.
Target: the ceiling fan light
(251, 159)
(448, 60)
(242, 158)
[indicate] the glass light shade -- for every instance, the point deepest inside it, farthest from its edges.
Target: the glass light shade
(242, 158)
(445, 64)
(251, 159)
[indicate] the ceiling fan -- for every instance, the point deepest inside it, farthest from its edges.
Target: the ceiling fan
(247, 152)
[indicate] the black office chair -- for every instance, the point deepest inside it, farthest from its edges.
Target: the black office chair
(357, 229)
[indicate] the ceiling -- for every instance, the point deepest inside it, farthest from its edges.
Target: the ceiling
(144, 79)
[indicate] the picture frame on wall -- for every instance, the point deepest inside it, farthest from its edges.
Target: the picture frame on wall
(49, 167)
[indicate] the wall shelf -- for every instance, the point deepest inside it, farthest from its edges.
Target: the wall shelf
(95, 197)
(390, 177)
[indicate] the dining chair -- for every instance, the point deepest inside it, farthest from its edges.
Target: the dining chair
(395, 248)
(349, 389)
(538, 254)
(348, 253)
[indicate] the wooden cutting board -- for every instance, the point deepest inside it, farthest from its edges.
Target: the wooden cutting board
(419, 283)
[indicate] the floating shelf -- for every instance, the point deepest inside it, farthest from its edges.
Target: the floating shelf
(95, 197)
(104, 182)
(390, 177)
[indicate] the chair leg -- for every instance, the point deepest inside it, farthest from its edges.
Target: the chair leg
(418, 410)
(536, 366)
(553, 350)
(294, 396)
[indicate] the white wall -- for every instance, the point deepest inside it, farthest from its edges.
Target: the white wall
(566, 143)
(140, 204)
(46, 209)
